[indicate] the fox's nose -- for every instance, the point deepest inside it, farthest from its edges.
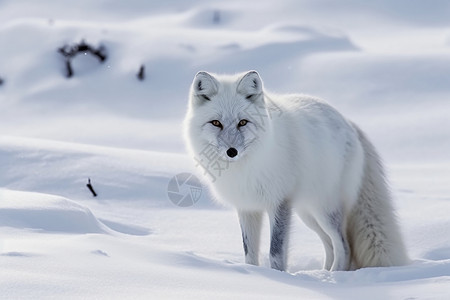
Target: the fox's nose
(232, 152)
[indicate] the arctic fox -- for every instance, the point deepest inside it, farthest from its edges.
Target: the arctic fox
(284, 153)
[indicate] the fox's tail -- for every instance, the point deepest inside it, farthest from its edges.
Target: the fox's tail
(372, 229)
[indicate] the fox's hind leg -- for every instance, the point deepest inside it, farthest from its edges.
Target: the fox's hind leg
(333, 225)
(251, 222)
(279, 224)
(326, 241)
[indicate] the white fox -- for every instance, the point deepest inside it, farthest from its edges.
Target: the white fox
(284, 153)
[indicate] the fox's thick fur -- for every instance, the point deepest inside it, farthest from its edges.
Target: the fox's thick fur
(283, 153)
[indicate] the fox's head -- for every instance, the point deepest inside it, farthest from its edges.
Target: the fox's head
(227, 116)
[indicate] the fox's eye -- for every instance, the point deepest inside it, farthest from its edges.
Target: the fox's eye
(217, 123)
(242, 123)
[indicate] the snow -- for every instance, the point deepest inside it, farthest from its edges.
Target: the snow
(46, 212)
(384, 64)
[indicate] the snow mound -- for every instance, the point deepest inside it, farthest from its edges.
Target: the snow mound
(64, 168)
(27, 210)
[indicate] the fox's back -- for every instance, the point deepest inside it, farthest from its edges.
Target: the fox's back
(322, 145)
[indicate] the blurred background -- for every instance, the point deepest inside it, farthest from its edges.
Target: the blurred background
(384, 64)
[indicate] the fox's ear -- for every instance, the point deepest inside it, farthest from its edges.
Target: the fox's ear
(205, 86)
(250, 85)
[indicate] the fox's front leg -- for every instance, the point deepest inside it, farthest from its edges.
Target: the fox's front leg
(251, 222)
(280, 219)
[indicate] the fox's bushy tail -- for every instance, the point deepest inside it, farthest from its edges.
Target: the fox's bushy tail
(372, 229)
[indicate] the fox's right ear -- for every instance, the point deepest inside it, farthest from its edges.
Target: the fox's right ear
(205, 86)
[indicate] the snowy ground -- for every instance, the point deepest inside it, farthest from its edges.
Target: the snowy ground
(386, 65)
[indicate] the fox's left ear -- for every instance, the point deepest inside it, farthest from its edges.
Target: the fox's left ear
(250, 85)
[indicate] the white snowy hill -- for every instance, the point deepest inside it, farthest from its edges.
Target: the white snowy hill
(384, 64)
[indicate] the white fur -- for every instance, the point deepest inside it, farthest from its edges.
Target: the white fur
(298, 149)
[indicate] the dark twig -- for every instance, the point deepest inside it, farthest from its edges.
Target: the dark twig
(69, 52)
(69, 70)
(141, 74)
(89, 185)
